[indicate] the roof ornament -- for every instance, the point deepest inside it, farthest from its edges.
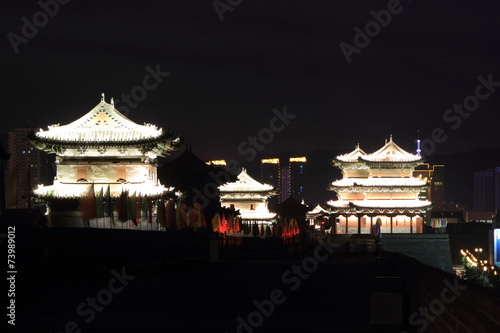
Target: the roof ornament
(112, 102)
(357, 146)
(390, 140)
(419, 151)
(102, 97)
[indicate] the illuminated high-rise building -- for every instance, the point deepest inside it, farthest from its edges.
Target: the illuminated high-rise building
(270, 173)
(485, 190)
(286, 174)
(26, 169)
(286, 190)
(297, 173)
(434, 176)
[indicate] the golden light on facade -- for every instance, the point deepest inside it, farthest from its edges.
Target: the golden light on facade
(298, 159)
(270, 161)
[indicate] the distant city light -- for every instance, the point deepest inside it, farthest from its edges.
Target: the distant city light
(298, 159)
(216, 162)
(270, 160)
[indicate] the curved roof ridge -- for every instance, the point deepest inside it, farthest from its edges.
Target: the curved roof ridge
(391, 152)
(103, 123)
(353, 155)
(245, 183)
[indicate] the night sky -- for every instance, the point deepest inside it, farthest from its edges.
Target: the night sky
(225, 77)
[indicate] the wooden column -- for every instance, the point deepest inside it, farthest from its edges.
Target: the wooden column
(346, 224)
(359, 224)
(411, 224)
(391, 224)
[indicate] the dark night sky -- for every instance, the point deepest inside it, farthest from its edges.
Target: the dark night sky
(226, 77)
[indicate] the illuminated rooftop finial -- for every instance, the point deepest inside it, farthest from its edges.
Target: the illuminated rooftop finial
(112, 101)
(102, 97)
(419, 151)
(390, 138)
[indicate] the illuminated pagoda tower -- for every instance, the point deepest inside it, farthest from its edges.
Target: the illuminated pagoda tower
(379, 188)
(104, 155)
(249, 197)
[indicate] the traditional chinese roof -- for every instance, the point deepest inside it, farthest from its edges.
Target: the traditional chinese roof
(379, 204)
(391, 152)
(317, 210)
(104, 127)
(352, 156)
(391, 182)
(246, 184)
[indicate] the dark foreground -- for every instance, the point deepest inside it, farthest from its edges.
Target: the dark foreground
(211, 296)
(80, 290)
(205, 297)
